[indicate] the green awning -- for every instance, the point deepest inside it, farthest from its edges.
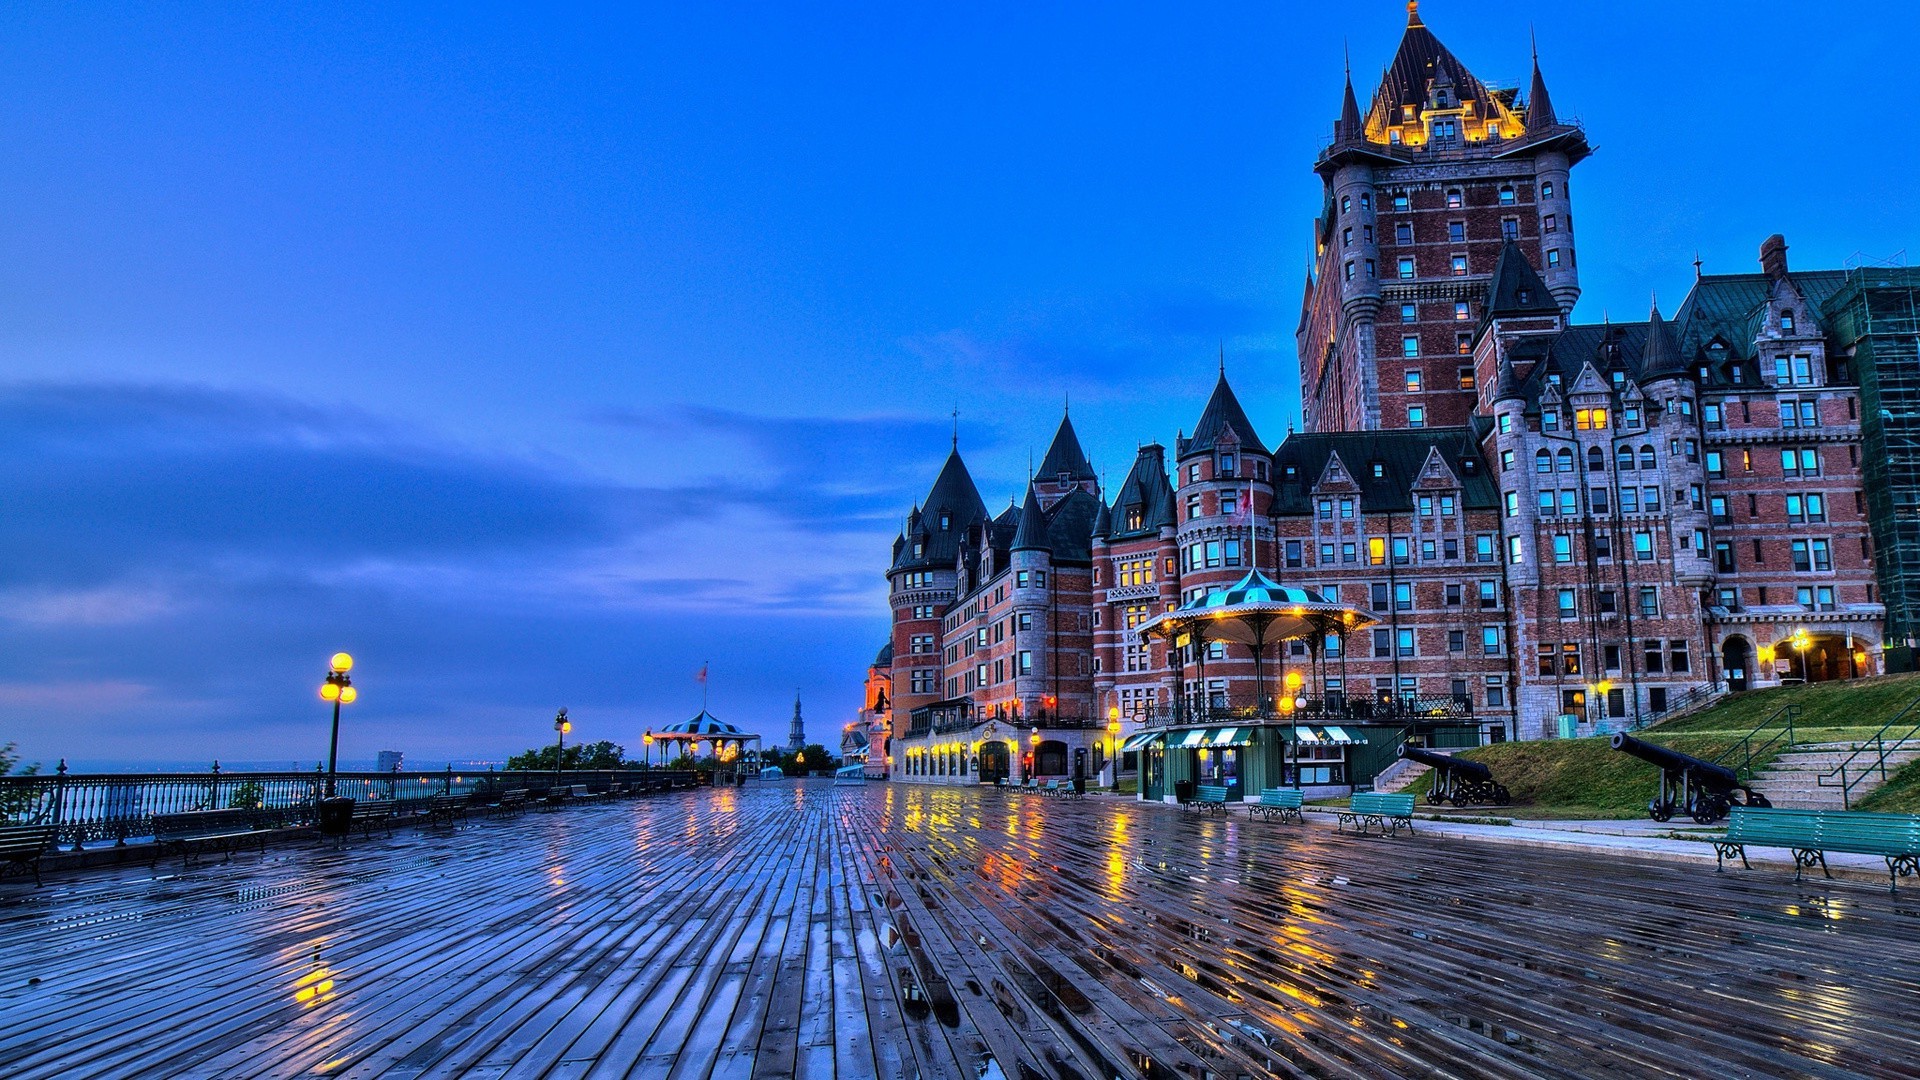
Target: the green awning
(1141, 740)
(1328, 735)
(1233, 736)
(1190, 740)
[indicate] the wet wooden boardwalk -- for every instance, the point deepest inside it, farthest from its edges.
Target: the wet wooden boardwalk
(893, 931)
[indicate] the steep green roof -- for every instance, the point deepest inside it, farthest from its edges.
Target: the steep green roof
(1223, 413)
(1065, 456)
(954, 496)
(1146, 487)
(1401, 454)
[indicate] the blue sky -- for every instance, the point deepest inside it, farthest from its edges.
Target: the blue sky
(538, 357)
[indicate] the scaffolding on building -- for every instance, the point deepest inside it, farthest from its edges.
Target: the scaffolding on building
(1875, 319)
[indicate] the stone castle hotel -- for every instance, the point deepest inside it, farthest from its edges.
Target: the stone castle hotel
(1542, 526)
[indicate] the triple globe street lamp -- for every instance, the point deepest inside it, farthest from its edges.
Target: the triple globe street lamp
(337, 688)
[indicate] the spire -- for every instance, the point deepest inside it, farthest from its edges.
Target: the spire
(1032, 533)
(1102, 521)
(1516, 288)
(1539, 104)
(1065, 455)
(1507, 387)
(1350, 128)
(1661, 357)
(1413, 13)
(797, 731)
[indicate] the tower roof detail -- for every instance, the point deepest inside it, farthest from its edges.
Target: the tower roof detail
(1661, 357)
(1539, 105)
(1223, 413)
(1146, 489)
(1032, 534)
(1065, 455)
(1516, 288)
(936, 529)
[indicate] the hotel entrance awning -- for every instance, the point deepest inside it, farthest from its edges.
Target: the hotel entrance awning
(1327, 735)
(1141, 741)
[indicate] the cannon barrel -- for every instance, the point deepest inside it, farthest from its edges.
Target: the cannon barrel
(1471, 769)
(1705, 773)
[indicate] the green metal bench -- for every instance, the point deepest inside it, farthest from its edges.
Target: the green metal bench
(1278, 802)
(1810, 834)
(1370, 808)
(1209, 798)
(194, 831)
(22, 845)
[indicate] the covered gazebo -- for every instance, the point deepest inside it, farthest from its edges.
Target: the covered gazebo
(1256, 612)
(728, 742)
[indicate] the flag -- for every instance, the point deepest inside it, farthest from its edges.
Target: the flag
(701, 678)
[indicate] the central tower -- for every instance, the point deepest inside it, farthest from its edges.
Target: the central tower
(1423, 191)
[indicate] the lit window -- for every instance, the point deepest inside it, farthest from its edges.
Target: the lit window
(1413, 381)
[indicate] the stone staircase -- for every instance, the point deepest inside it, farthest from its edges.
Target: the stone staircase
(1399, 776)
(1792, 779)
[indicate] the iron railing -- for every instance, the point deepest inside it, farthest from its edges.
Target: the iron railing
(1700, 694)
(117, 807)
(1777, 729)
(1849, 773)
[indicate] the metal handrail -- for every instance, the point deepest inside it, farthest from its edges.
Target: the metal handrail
(86, 807)
(1747, 752)
(1706, 691)
(1878, 744)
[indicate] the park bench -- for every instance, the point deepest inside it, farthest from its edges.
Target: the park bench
(22, 845)
(1071, 790)
(509, 801)
(1032, 784)
(1369, 808)
(1051, 787)
(194, 831)
(1282, 803)
(1810, 834)
(1209, 798)
(368, 813)
(446, 809)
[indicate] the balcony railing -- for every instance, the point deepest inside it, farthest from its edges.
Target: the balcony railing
(117, 807)
(1317, 710)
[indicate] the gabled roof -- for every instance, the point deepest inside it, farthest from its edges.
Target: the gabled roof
(1146, 486)
(1065, 456)
(1724, 306)
(1223, 413)
(1516, 288)
(1403, 456)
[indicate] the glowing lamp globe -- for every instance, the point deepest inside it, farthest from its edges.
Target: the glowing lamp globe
(342, 663)
(329, 691)
(348, 694)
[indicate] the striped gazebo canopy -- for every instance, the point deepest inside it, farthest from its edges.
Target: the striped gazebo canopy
(1257, 610)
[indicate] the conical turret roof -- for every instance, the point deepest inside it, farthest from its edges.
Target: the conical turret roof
(1350, 128)
(1065, 455)
(936, 529)
(1223, 413)
(1032, 534)
(1539, 105)
(1421, 58)
(1661, 357)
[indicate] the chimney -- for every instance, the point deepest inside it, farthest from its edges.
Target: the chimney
(1773, 257)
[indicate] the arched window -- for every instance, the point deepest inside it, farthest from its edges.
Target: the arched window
(1647, 460)
(1624, 459)
(1566, 461)
(1543, 462)
(1506, 195)
(1596, 460)
(1546, 189)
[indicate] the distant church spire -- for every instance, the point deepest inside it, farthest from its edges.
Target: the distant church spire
(797, 731)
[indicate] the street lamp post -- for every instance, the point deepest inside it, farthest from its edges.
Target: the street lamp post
(561, 725)
(338, 688)
(1113, 748)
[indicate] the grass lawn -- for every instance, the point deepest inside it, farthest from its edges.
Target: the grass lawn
(1847, 708)
(1900, 794)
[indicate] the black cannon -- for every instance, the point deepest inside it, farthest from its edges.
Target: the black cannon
(1457, 780)
(1700, 789)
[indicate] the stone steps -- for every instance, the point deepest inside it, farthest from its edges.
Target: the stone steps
(1793, 779)
(1402, 778)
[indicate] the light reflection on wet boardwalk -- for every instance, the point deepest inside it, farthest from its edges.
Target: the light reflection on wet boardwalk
(733, 935)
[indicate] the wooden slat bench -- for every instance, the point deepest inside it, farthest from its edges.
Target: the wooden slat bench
(1810, 834)
(368, 813)
(22, 846)
(194, 831)
(1209, 798)
(1282, 803)
(1370, 808)
(446, 809)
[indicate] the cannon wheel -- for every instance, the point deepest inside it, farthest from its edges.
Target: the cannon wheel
(1501, 796)
(1660, 811)
(1434, 798)
(1708, 809)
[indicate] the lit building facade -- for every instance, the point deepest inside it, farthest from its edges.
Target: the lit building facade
(1560, 527)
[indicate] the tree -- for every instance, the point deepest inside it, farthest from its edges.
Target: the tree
(248, 796)
(597, 755)
(812, 758)
(14, 800)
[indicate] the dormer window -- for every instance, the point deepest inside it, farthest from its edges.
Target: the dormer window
(1525, 295)
(946, 520)
(919, 549)
(1136, 516)
(1226, 464)
(1379, 470)
(1786, 322)
(1292, 471)
(1393, 136)
(1553, 379)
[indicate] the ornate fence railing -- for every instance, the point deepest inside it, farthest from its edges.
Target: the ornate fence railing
(118, 807)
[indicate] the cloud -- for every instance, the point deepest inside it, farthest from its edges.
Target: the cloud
(106, 606)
